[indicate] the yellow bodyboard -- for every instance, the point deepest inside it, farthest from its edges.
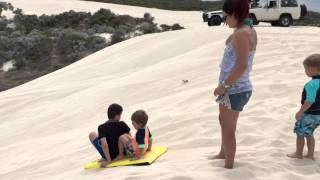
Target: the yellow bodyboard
(148, 159)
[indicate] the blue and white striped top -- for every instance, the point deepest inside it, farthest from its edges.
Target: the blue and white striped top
(243, 84)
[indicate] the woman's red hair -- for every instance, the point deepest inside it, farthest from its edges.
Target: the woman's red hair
(238, 8)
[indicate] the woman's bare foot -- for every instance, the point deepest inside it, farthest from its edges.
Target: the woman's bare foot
(295, 155)
(228, 166)
(218, 156)
(309, 157)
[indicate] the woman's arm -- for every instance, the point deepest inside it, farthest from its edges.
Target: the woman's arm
(241, 45)
(105, 149)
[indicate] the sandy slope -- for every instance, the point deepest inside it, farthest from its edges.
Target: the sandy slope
(44, 123)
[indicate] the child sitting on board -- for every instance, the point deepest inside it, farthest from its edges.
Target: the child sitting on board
(106, 141)
(137, 147)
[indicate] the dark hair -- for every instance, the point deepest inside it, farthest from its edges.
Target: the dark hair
(140, 117)
(312, 61)
(113, 110)
(238, 8)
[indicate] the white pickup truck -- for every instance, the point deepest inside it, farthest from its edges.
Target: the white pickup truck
(277, 12)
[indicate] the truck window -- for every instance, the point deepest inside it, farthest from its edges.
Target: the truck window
(289, 3)
(255, 4)
(272, 4)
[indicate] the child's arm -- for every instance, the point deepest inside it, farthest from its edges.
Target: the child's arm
(149, 145)
(105, 149)
(311, 89)
(141, 150)
(306, 105)
(139, 155)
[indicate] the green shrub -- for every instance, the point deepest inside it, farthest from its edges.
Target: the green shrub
(182, 5)
(312, 19)
(40, 45)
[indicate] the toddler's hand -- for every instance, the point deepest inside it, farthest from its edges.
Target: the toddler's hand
(298, 115)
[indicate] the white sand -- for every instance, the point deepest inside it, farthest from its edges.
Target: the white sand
(44, 123)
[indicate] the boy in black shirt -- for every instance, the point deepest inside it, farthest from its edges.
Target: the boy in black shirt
(106, 141)
(308, 117)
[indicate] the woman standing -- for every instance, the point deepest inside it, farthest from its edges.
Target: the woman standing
(234, 89)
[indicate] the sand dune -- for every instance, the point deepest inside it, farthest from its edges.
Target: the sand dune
(44, 123)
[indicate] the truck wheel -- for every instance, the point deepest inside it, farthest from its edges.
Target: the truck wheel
(254, 19)
(214, 21)
(285, 21)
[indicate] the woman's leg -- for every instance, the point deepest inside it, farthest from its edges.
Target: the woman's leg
(229, 125)
(220, 155)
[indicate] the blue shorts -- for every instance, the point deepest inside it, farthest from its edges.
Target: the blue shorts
(97, 144)
(306, 125)
(235, 102)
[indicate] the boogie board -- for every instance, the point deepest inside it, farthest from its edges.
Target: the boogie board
(148, 159)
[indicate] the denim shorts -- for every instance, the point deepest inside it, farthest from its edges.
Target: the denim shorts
(235, 102)
(306, 125)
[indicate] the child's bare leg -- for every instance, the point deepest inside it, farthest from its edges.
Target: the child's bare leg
(121, 145)
(92, 137)
(123, 140)
(299, 148)
(220, 155)
(310, 144)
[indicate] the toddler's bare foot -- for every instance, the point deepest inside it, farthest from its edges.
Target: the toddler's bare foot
(309, 157)
(294, 155)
